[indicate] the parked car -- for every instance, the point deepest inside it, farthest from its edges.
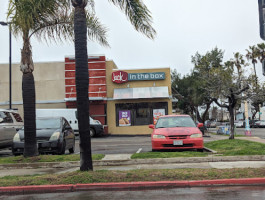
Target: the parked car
(260, 124)
(176, 132)
(252, 123)
(239, 124)
(96, 128)
(212, 124)
(10, 122)
(54, 135)
(11, 118)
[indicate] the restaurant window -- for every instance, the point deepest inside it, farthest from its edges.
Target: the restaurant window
(135, 114)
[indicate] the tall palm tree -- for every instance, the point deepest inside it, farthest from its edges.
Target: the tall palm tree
(48, 20)
(261, 49)
(140, 17)
(239, 63)
(252, 54)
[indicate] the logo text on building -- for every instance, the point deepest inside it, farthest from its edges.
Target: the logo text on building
(119, 77)
(122, 77)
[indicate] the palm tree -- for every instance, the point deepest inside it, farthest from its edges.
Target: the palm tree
(239, 62)
(252, 54)
(261, 50)
(49, 20)
(140, 17)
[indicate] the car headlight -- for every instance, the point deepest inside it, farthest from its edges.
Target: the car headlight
(159, 137)
(55, 136)
(197, 135)
(16, 138)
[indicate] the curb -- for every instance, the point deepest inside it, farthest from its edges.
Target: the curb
(129, 185)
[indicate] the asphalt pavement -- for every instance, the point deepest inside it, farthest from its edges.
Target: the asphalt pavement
(124, 162)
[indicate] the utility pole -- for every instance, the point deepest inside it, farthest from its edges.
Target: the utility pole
(10, 63)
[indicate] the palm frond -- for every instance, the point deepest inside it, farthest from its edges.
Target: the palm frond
(61, 28)
(96, 31)
(138, 14)
(55, 28)
(25, 14)
(55, 22)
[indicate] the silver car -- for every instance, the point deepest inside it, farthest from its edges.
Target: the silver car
(10, 122)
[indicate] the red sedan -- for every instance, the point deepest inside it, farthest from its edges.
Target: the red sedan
(176, 132)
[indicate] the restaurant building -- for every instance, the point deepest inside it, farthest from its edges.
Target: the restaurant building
(124, 101)
(136, 98)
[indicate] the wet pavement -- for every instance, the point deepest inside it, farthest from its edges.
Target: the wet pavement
(194, 193)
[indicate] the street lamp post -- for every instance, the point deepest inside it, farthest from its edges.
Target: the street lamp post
(10, 64)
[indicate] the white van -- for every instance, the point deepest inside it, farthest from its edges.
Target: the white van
(96, 127)
(69, 114)
(10, 123)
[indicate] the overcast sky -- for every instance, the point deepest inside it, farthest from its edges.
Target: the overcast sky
(183, 28)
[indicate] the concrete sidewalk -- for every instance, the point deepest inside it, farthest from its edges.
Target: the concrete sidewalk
(123, 163)
(253, 139)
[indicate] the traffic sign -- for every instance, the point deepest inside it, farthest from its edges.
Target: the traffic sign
(262, 18)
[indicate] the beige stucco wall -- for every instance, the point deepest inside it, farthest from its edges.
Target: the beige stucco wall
(111, 116)
(49, 85)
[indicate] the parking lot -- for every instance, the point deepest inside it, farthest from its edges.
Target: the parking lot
(132, 144)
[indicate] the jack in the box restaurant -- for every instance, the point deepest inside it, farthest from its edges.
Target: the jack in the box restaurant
(136, 98)
(124, 101)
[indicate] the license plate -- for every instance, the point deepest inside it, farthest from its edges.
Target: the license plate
(178, 142)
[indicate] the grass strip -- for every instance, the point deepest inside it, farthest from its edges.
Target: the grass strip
(103, 176)
(46, 158)
(237, 147)
(226, 147)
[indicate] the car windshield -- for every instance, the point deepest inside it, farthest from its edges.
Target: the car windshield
(48, 123)
(176, 121)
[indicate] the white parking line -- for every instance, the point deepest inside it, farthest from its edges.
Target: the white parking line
(139, 150)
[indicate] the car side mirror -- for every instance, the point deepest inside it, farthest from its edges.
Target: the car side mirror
(68, 127)
(199, 125)
(1, 120)
(152, 126)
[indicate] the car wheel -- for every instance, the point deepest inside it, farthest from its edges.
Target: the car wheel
(63, 148)
(200, 150)
(72, 150)
(92, 132)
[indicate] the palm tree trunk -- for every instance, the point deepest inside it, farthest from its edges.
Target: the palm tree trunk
(28, 90)
(80, 30)
(29, 98)
(256, 78)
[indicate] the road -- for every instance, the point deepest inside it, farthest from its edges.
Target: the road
(133, 144)
(257, 132)
(202, 193)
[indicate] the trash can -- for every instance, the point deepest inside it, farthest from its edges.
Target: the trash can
(223, 130)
